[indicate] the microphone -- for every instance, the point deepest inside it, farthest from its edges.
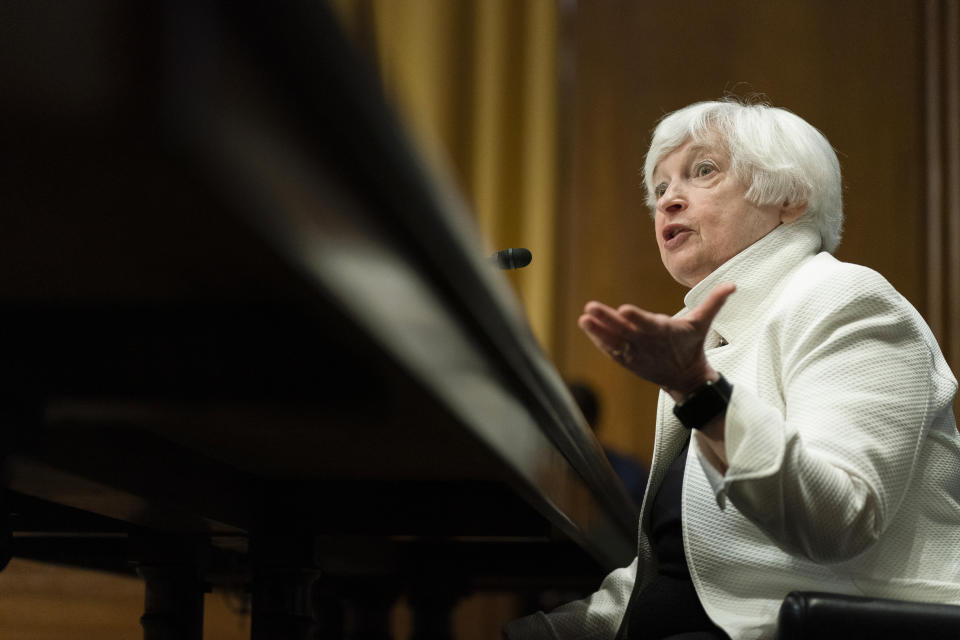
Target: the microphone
(512, 258)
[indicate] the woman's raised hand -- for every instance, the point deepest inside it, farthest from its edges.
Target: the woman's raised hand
(664, 350)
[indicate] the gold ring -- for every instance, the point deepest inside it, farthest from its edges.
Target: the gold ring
(623, 353)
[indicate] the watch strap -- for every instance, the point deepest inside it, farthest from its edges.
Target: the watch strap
(702, 406)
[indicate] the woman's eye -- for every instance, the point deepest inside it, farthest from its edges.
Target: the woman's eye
(704, 169)
(660, 189)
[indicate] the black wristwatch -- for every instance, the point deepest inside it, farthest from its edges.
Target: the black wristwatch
(704, 404)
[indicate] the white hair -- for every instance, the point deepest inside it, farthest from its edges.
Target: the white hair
(778, 154)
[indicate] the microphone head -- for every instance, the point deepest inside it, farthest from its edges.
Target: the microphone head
(512, 258)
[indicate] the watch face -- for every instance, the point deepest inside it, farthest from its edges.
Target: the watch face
(704, 404)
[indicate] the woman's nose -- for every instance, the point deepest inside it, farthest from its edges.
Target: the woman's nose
(673, 200)
(676, 206)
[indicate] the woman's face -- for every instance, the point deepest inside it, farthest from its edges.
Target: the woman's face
(703, 218)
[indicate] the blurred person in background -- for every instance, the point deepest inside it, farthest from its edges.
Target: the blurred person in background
(632, 472)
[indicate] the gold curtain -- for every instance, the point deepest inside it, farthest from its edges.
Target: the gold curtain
(476, 83)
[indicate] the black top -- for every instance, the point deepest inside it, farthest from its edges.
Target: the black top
(666, 530)
(669, 605)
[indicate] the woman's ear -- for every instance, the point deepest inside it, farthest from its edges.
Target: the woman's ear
(791, 211)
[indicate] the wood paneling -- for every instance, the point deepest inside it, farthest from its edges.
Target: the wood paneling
(942, 160)
(41, 601)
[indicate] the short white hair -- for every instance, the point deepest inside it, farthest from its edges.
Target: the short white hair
(778, 154)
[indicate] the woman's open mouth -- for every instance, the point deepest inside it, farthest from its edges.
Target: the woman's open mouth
(674, 234)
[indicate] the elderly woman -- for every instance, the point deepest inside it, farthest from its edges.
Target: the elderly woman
(824, 454)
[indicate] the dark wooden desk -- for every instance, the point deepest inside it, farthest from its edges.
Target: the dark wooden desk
(250, 337)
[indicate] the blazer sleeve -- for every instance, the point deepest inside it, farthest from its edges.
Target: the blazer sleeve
(824, 474)
(596, 617)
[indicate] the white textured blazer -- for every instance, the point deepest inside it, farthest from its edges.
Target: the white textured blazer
(843, 453)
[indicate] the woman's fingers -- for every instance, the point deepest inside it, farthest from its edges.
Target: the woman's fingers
(637, 316)
(602, 335)
(606, 328)
(636, 337)
(607, 315)
(704, 314)
(610, 319)
(593, 331)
